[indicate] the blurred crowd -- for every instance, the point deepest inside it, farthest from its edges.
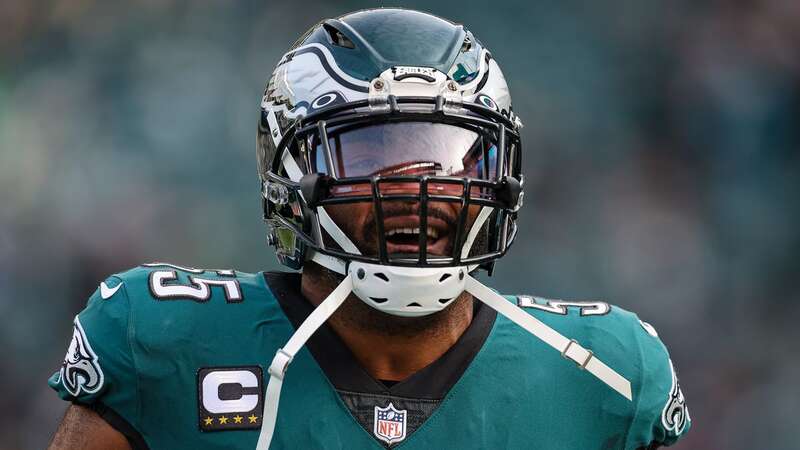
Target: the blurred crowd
(662, 146)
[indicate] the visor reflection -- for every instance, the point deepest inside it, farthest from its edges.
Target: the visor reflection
(409, 148)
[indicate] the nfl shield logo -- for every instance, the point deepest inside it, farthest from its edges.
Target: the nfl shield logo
(390, 424)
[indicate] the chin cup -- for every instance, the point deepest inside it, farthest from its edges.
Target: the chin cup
(407, 291)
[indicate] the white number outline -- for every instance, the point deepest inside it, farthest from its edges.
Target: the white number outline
(163, 287)
(561, 307)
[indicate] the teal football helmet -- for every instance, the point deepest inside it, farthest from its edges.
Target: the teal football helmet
(405, 114)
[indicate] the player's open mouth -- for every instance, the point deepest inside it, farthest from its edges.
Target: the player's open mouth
(403, 233)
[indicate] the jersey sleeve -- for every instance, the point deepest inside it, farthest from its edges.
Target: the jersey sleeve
(99, 367)
(661, 416)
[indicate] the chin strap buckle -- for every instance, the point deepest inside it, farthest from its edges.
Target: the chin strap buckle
(282, 359)
(569, 348)
(280, 363)
(577, 354)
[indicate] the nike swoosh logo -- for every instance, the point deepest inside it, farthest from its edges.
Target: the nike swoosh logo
(106, 292)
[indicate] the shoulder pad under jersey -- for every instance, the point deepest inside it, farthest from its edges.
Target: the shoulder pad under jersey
(632, 347)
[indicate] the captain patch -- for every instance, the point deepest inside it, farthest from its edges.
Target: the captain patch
(230, 398)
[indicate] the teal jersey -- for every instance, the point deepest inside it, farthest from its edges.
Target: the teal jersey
(176, 358)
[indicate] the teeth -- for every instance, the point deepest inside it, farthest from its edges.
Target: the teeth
(432, 233)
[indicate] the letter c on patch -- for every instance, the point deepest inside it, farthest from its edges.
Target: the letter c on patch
(211, 383)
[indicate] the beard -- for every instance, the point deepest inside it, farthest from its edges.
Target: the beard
(359, 223)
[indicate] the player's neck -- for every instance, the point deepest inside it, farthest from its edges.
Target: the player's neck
(388, 347)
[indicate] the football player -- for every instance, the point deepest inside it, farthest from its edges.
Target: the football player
(390, 168)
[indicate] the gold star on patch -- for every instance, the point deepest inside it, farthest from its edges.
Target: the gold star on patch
(237, 419)
(223, 420)
(253, 418)
(208, 421)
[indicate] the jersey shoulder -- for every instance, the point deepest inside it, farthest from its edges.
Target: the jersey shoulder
(158, 309)
(603, 327)
(633, 348)
(172, 306)
(147, 333)
(165, 282)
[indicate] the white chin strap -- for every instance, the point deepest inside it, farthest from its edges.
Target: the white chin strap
(284, 356)
(569, 348)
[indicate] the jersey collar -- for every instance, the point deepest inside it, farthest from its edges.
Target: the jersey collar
(346, 374)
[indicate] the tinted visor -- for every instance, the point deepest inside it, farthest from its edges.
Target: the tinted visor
(377, 200)
(408, 148)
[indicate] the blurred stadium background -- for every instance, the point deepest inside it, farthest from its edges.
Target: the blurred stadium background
(661, 140)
